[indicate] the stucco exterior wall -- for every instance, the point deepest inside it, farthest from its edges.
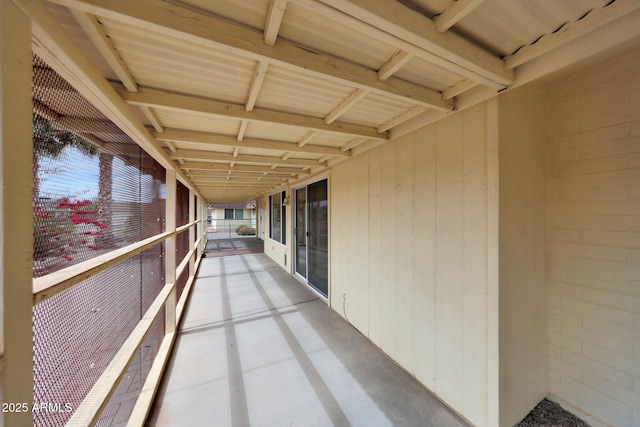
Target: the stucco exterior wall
(523, 331)
(412, 253)
(593, 242)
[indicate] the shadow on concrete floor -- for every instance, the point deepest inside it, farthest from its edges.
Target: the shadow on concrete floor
(258, 348)
(234, 246)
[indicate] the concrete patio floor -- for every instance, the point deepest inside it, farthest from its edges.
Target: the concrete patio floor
(257, 348)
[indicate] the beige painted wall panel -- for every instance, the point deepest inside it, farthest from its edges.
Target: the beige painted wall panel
(405, 224)
(388, 250)
(424, 250)
(425, 298)
(362, 221)
(522, 263)
(339, 226)
(376, 242)
(474, 264)
(357, 300)
(449, 244)
(350, 299)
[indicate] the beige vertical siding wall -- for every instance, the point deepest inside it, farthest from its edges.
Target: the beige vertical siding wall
(276, 250)
(593, 242)
(410, 257)
(523, 330)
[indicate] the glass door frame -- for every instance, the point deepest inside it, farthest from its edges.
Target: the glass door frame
(300, 277)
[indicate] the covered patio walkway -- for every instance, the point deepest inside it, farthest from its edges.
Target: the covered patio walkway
(258, 348)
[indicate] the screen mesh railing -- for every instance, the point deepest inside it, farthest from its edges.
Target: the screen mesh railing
(95, 191)
(77, 332)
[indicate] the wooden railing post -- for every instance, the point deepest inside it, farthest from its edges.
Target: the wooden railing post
(170, 259)
(192, 232)
(16, 213)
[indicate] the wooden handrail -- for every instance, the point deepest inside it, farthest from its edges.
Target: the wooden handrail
(94, 402)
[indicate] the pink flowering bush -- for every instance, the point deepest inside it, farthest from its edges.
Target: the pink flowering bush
(64, 227)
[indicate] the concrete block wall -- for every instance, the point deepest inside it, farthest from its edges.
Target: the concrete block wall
(593, 242)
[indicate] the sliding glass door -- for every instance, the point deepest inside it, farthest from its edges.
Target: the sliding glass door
(312, 235)
(301, 231)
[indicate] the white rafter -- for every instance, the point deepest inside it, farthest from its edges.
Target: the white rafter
(347, 103)
(353, 143)
(211, 139)
(400, 118)
(171, 146)
(305, 139)
(274, 19)
(275, 170)
(93, 30)
(385, 20)
(396, 62)
(454, 12)
(213, 32)
(242, 129)
(256, 83)
(200, 155)
(458, 88)
(169, 100)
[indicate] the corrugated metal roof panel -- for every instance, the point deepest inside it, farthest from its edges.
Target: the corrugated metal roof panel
(201, 122)
(158, 60)
(69, 23)
(374, 109)
(291, 91)
(203, 147)
(275, 132)
(426, 74)
(249, 12)
(315, 31)
(504, 26)
(330, 139)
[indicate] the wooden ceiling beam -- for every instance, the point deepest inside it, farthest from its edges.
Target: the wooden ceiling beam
(243, 158)
(242, 130)
(406, 24)
(476, 73)
(401, 118)
(353, 143)
(307, 138)
(344, 106)
(168, 100)
(458, 88)
(177, 135)
(274, 19)
(220, 34)
(234, 184)
(198, 181)
(93, 30)
(278, 170)
(243, 176)
(396, 62)
(257, 79)
(454, 12)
